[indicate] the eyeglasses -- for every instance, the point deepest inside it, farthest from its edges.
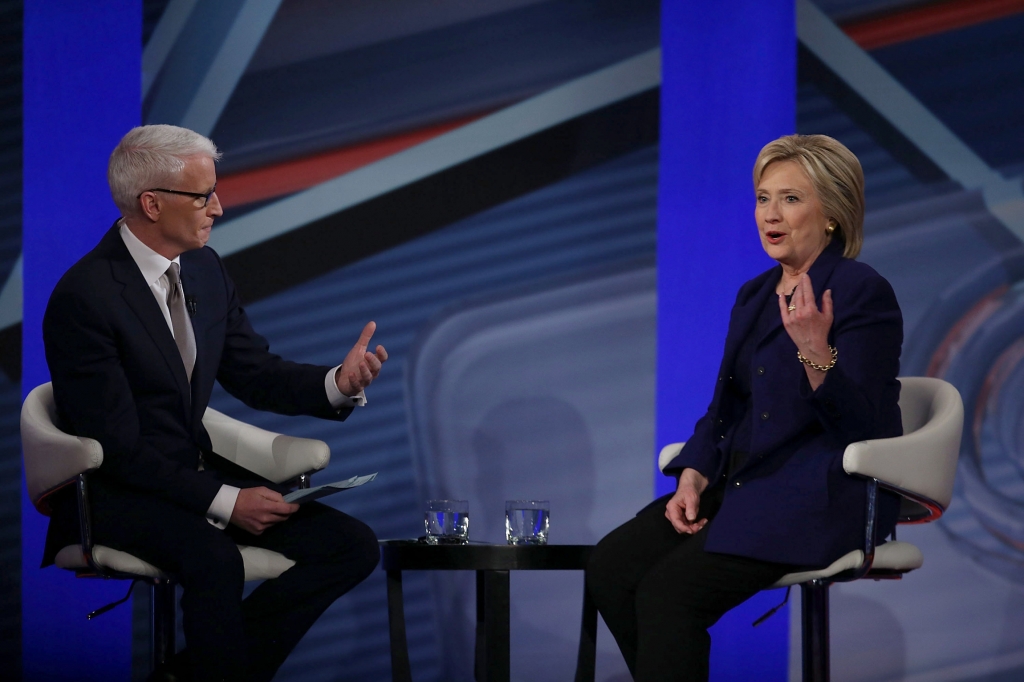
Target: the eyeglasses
(199, 200)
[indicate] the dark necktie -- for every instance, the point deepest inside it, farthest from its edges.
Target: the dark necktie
(184, 337)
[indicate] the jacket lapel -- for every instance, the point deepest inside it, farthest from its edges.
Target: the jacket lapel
(745, 314)
(741, 322)
(140, 300)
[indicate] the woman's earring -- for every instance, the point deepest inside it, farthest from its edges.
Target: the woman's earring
(830, 228)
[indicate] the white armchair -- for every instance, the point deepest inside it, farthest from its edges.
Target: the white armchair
(54, 459)
(920, 466)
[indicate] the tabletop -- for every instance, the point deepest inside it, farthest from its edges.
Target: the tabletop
(413, 555)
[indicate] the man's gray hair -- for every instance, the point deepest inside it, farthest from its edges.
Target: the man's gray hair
(149, 157)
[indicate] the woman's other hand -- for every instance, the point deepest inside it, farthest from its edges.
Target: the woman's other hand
(808, 326)
(682, 509)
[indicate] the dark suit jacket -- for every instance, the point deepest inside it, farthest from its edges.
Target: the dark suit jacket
(118, 377)
(791, 501)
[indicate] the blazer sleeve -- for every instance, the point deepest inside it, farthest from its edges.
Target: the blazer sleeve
(94, 399)
(699, 453)
(701, 450)
(859, 398)
(263, 380)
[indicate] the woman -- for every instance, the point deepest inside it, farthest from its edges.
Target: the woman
(761, 488)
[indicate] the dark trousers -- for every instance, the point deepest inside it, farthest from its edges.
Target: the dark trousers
(659, 592)
(228, 638)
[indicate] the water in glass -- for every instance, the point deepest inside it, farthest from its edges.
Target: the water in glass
(526, 522)
(446, 522)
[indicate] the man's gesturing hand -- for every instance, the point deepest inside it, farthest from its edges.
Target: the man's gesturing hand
(360, 367)
(682, 509)
(257, 509)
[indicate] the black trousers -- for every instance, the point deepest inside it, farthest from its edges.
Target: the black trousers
(659, 592)
(228, 638)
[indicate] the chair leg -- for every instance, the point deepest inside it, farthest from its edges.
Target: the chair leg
(163, 622)
(814, 605)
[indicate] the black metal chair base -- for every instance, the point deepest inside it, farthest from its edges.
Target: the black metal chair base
(814, 612)
(163, 622)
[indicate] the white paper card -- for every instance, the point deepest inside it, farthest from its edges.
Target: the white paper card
(309, 494)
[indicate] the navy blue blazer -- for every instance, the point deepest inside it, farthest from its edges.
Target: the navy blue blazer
(118, 377)
(791, 501)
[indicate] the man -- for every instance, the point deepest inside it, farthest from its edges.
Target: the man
(136, 333)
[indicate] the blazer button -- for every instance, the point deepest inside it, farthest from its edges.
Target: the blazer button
(764, 416)
(720, 421)
(738, 483)
(760, 370)
(722, 437)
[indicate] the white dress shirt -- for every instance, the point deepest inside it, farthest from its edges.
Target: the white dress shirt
(154, 270)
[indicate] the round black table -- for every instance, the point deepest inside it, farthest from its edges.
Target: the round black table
(492, 564)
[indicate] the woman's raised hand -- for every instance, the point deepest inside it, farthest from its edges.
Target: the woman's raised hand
(808, 326)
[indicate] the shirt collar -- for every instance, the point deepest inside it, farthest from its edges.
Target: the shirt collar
(151, 263)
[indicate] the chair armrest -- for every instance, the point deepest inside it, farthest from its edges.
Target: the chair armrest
(921, 463)
(52, 457)
(669, 453)
(273, 456)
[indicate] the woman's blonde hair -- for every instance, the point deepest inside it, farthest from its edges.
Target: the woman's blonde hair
(837, 178)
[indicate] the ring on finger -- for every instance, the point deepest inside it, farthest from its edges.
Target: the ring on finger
(791, 307)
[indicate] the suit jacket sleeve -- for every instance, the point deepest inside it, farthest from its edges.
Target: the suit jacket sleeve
(264, 380)
(94, 400)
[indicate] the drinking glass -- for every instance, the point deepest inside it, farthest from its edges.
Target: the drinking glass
(526, 522)
(447, 522)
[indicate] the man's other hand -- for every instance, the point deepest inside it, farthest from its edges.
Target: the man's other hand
(257, 509)
(360, 367)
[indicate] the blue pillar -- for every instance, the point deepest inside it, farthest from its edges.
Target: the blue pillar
(728, 88)
(82, 80)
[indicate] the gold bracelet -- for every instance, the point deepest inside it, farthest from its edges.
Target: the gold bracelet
(820, 368)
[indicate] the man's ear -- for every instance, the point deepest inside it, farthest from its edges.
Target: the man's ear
(149, 204)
